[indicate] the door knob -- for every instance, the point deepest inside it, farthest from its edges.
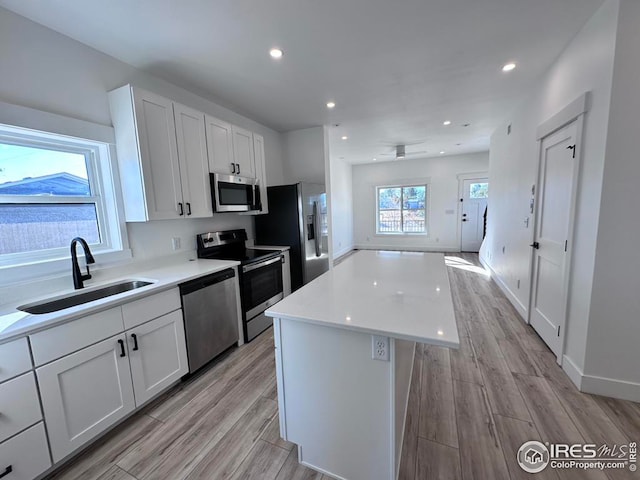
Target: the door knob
(464, 219)
(535, 245)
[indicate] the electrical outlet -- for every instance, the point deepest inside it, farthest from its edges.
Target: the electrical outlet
(380, 348)
(175, 243)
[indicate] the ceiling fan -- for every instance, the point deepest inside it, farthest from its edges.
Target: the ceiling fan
(400, 152)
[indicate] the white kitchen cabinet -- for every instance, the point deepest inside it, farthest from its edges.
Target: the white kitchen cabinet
(220, 146)
(243, 150)
(25, 456)
(84, 393)
(15, 359)
(19, 405)
(161, 156)
(193, 161)
(158, 355)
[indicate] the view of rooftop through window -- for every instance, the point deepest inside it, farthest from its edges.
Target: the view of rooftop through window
(45, 199)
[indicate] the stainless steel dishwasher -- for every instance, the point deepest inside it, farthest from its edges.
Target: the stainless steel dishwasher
(210, 316)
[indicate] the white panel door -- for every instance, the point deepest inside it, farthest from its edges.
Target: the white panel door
(159, 155)
(85, 393)
(158, 355)
(194, 164)
(243, 152)
(474, 203)
(558, 168)
(220, 146)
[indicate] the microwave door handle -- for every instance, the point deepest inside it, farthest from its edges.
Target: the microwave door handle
(316, 230)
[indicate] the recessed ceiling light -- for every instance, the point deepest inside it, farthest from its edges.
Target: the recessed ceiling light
(508, 67)
(446, 122)
(331, 104)
(276, 53)
(344, 137)
(374, 159)
(442, 152)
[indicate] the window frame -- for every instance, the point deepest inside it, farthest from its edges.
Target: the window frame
(402, 185)
(99, 153)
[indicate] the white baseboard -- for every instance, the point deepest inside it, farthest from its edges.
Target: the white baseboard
(343, 251)
(573, 371)
(517, 304)
(443, 248)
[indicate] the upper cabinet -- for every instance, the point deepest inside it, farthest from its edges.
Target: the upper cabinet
(162, 156)
(166, 151)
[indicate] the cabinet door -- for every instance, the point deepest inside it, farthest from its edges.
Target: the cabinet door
(25, 456)
(158, 355)
(194, 164)
(159, 155)
(220, 146)
(261, 173)
(85, 393)
(243, 151)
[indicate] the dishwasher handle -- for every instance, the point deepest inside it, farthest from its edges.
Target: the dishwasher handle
(203, 282)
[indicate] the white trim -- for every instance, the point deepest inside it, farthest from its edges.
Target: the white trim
(407, 248)
(342, 251)
(573, 371)
(611, 388)
(29, 118)
(513, 299)
(565, 116)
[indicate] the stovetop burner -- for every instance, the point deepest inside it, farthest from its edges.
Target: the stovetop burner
(230, 245)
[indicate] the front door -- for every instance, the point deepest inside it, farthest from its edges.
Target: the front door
(558, 167)
(475, 192)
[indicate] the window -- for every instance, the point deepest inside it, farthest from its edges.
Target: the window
(402, 209)
(479, 190)
(52, 189)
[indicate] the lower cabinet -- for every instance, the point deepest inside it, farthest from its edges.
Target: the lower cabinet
(158, 355)
(25, 456)
(84, 393)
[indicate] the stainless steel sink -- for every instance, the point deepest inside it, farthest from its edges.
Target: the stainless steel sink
(74, 299)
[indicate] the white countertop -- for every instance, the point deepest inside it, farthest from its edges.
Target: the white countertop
(15, 323)
(402, 295)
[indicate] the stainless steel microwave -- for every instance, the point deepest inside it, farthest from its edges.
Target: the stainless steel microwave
(232, 193)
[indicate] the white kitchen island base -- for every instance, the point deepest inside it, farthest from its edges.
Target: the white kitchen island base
(344, 409)
(348, 420)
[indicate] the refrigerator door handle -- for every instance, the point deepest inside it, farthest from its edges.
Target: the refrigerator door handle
(316, 229)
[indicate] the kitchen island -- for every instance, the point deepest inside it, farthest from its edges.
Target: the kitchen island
(344, 352)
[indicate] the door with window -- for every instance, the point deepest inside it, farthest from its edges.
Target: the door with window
(475, 192)
(558, 171)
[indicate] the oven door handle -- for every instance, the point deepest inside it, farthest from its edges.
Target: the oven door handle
(248, 268)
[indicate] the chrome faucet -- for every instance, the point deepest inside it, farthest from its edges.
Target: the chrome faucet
(78, 277)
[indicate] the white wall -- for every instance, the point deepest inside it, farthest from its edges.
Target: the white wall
(586, 65)
(341, 206)
(442, 194)
(614, 320)
(47, 71)
(304, 155)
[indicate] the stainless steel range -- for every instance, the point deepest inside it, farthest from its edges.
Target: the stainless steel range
(260, 275)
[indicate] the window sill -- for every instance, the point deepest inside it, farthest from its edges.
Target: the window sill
(401, 234)
(38, 270)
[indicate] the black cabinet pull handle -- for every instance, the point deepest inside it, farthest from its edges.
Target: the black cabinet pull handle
(122, 352)
(135, 341)
(181, 209)
(188, 208)
(7, 471)
(233, 168)
(238, 165)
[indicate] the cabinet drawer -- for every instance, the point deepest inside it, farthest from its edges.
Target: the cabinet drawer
(70, 337)
(25, 456)
(141, 311)
(19, 405)
(14, 359)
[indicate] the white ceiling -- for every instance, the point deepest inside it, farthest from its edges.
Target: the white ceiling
(396, 68)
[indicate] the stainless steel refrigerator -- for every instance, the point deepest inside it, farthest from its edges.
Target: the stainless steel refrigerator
(298, 218)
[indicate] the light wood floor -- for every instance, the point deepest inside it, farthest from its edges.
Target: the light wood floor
(469, 409)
